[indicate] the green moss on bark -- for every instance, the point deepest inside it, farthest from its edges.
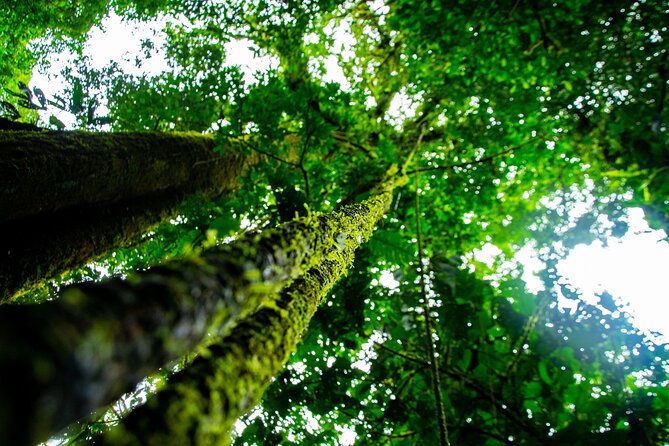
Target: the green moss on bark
(201, 402)
(86, 193)
(100, 339)
(48, 171)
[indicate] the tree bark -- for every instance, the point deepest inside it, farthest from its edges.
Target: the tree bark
(71, 356)
(68, 197)
(46, 171)
(201, 402)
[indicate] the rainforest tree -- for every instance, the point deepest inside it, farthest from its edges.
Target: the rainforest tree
(480, 124)
(60, 209)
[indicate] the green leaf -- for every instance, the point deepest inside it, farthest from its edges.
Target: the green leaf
(224, 225)
(542, 368)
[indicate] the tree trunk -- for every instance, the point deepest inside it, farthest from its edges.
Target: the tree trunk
(98, 341)
(201, 402)
(68, 197)
(46, 171)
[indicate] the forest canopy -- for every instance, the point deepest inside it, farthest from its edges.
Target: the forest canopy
(413, 133)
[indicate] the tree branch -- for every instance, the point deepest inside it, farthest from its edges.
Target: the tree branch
(403, 355)
(340, 137)
(527, 331)
(434, 365)
(511, 415)
(407, 380)
(402, 435)
(300, 163)
(470, 163)
(662, 73)
(268, 154)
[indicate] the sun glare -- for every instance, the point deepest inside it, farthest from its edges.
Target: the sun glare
(630, 268)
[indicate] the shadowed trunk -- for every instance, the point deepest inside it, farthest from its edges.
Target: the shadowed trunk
(69, 197)
(46, 171)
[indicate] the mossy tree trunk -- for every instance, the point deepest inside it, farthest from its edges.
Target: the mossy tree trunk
(201, 402)
(68, 197)
(72, 356)
(46, 171)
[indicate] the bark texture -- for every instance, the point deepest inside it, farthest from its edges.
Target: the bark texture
(200, 403)
(41, 247)
(46, 171)
(69, 197)
(98, 341)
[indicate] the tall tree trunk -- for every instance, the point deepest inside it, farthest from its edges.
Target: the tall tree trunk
(68, 197)
(46, 171)
(74, 355)
(202, 401)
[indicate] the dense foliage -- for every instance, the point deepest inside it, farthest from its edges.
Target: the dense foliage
(511, 113)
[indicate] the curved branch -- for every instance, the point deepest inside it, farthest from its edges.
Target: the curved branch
(471, 163)
(662, 72)
(340, 137)
(528, 329)
(408, 434)
(409, 158)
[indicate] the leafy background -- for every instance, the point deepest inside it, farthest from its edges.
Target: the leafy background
(519, 111)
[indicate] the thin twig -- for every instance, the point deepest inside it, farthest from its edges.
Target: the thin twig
(490, 434)
(434, 365)
(338, 136)
(662, 73)
(511, 415)
(409, 157)
(305, 175)
(269, 154)
(514, 8)
(403, 355)
(300, 164)
(210, 160)
(407, 380)
(402, 435)
(527, 331)
(471, 163)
